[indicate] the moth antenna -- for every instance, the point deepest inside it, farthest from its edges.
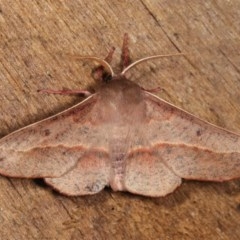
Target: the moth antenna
(102, 62)
(149, 58)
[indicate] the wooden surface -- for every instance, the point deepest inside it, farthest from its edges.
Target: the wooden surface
(35, 35)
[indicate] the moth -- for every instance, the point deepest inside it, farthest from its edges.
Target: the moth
(122, 136)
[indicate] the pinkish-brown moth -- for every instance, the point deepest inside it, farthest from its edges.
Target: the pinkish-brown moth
(122, 136)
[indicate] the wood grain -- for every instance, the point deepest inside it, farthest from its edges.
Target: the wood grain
(35, 35)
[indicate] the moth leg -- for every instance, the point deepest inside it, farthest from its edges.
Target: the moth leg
(85, 93)
(153, 90)
(125, 57)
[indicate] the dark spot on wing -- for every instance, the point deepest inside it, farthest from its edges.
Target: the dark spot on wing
(94, 187)
(168, 150)
(63, 153)
(47, 132)
(120, 157)
(198, 132)
(1, 159)
(85, 129)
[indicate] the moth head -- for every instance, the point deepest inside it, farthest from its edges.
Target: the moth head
(103, 72)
